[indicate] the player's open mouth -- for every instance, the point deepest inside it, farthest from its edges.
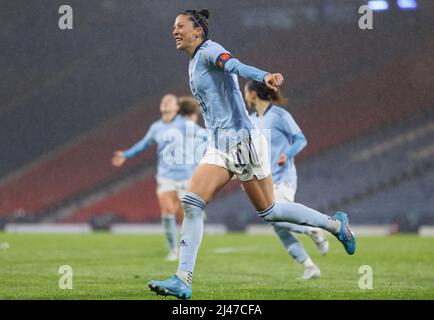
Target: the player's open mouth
(178, 41)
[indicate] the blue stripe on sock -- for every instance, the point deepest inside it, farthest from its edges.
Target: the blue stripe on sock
(193, 203)
(193, 199)
(266, 212)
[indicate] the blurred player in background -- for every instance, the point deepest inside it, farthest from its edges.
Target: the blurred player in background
(237, 148)
(189, 109)
(287, 140)
(177, 121)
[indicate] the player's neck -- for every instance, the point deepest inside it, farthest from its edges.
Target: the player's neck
(261, 106)
(195, 46)
(168, 117)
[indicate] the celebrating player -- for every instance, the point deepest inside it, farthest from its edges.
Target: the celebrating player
(237, 148)
(287, 141)
(172, 178)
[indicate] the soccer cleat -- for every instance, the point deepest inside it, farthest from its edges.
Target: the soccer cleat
(171, 287)
(172, 255)
(345, 235)
(318, 236)
(311, 273)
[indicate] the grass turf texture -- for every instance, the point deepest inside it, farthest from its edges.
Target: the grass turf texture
(234, 266)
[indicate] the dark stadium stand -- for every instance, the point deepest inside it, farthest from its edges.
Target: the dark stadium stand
(359, 170)
(412, 197)
(134, 203)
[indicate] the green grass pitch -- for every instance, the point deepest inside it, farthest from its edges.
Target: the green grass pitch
(233, 266)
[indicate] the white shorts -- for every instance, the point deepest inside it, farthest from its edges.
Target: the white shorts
(168, 185)
(284, 192)
(246, 160)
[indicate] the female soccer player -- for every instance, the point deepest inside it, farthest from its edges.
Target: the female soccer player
(173, 135)
(287, 140)
(236, 148)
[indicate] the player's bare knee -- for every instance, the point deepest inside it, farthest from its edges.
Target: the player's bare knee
(168, 208)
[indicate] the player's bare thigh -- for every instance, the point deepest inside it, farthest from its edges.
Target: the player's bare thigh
(169, 202)
(208, 180)
(260, 192)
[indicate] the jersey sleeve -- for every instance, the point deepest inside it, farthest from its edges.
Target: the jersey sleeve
(293, 133)
(245, 71)
(214, 54)
(147, 141)
(223, 60)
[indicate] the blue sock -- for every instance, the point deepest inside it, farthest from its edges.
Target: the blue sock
(170, 229)
(299, 214)
(291, 243)
(292, 227)
(192, 231)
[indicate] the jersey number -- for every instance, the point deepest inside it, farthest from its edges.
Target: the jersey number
(199, 99)
(202, 105)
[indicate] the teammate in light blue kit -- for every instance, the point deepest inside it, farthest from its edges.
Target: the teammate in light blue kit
(287, 140)
(179, 142)
(236, 149)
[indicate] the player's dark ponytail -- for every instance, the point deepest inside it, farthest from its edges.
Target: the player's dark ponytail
(264, 93)
(205, 13)
(199, 19)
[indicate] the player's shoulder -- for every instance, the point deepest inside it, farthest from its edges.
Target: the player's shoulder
(186, 122)
(180, 118)
(159, 125)
(211, 48)
(279, 111)
(156, 124)
(182, 122)
(209, 45)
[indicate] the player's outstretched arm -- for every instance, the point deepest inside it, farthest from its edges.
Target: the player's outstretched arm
(272, 80)
(119, 157)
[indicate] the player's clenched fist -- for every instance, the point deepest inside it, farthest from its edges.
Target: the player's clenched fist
(273, 80)
(118, 159)
(282, 160)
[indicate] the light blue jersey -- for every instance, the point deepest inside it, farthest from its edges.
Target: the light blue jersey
(214, 83)
(180, 146)
(286, 138)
